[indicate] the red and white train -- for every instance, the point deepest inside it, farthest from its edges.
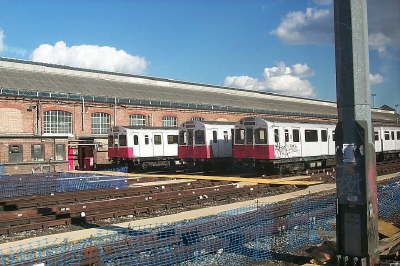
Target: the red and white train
(143, 146)
(255, 141)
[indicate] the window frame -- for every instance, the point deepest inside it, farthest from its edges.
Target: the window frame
(57, 122)
(156, 140)
(296, 137)
(311, 138)
(257, 136)
(324, 135)
(137, 120)
(170, 121)
(199, 139)
(42, 152)
(57, 154)
(240, 136)
(172, 139)
(103, 127)
(20, 152)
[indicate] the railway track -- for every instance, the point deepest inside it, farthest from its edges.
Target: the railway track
(87, 208)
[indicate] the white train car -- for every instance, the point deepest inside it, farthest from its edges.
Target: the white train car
(205, 140)
(284, 141)
(387, 142)
(137, 145)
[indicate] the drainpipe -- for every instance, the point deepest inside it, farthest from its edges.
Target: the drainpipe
(115, 111)
(83, 114)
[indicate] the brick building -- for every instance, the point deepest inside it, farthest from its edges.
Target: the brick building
(55, 117)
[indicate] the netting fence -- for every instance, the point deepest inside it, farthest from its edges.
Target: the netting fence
(236, 237)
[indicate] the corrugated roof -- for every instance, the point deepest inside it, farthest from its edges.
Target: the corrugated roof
(32, 76)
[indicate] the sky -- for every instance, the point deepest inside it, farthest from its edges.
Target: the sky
(279, 46)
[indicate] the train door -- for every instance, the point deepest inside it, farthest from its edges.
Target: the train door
(277, 143)
(146, 149)
(158, 147)
(136, 146)
(295, 145)
(215, 143)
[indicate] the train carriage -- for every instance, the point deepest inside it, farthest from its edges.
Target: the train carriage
(143, 146)
(205, 140)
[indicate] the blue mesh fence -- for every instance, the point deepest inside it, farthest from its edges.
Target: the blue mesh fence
(236, 237)
(45, 184)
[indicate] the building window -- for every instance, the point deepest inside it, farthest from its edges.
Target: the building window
(169, 121)
(197, 118)
(311, 135)
(100, 123)
(199, 137)
(137, 120)
(15, 153)
(57, 122)
(37, 152)
(172, 139)
(296, 135)
(324, 135)
(60, 152)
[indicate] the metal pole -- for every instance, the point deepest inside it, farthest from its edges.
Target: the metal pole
(373, 99)
(356, 220)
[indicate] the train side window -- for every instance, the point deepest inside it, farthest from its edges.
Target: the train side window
(157, 140)
(135, 140)
(226, 137)
(392, 133)
(249, 136)
(190, 136)
(286, 135)
(146, 139)
(334, 135)
(199, 137)
(122, 140)
(182, 138)
(398, 135)
(239, 136)
(387, 135)
(376, 135)
(311, 135)
(296, 135)
(276, 135)
(172, 139)
(215, 136)
(260, 136)
(324, 135)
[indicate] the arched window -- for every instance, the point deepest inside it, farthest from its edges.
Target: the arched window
(137, 120)
(197, 118)
(169, 121)
(57, 122)
(100, 123)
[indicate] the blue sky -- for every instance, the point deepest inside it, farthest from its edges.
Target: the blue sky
(282, 46)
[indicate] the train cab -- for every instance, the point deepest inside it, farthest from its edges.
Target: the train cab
(205, 140)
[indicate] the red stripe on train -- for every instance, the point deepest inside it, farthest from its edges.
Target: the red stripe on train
(195, 152)
(120, 152)
(253, 151)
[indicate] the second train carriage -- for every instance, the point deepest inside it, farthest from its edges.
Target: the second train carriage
(143, 146)
(205, 140)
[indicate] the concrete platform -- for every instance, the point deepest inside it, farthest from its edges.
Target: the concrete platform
(186, 215)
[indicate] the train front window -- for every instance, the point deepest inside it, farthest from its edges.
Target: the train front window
(276, 135)
(182, 138)
(116, 140)
(260, 136)
(249, 136)
(239, 136)
(122, 140)
(190, 136)
(110, 141)
(199, 137)
(376, 135)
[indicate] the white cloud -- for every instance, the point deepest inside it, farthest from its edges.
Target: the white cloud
(90, 56)
(1, 40)
(315, 26)
(279, 79)
(311, 26)
(375, 79)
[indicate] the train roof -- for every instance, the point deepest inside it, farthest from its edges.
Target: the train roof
(147, 127)
(31, 79)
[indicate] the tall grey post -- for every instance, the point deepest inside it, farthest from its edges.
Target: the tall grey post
(356, 221)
